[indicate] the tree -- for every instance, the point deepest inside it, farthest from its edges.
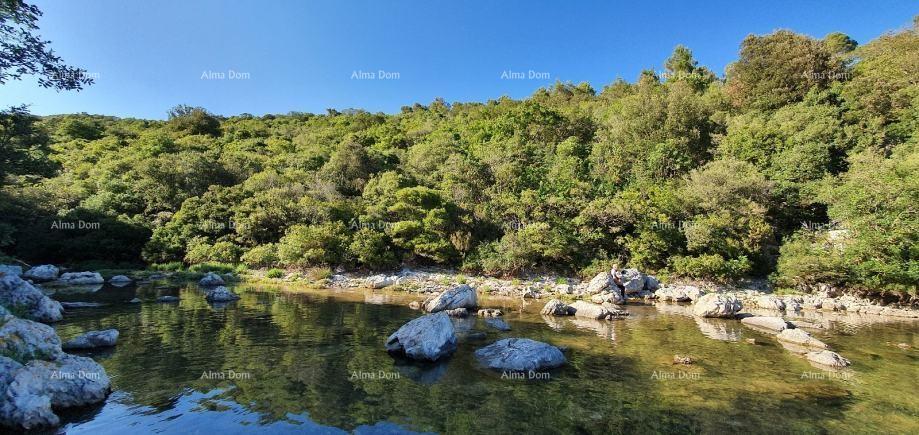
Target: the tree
(23, 52)
(189, 120)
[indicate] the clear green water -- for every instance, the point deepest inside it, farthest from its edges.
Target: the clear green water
(314, 362)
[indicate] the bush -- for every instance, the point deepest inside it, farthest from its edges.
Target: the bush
(313, 245)
(372, 249)
(221, 252)
(261, 256)
(220, 268)
(275, 273)
(806, 259)
(172, 266)
(711, 266)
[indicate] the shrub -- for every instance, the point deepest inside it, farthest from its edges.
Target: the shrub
(313, 245)
(220, 268)
(275, 273)
(372, 249)
(711, 266)
(261, 256)
(172, 266)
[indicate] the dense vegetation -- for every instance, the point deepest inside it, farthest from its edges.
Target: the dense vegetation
(800, 162)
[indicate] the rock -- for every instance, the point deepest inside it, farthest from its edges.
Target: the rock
(750, 340)
(25, 340)
(135, 301)
(827, 358)
(800, 338)
(563, 289)
(457, 312)
(556, 307)
(769, 302)
(220, 294)
(498, 324)
(603, 281)
(632, 280)
(428, 337)
(520, 355)
(167, 299)
(716, 305)
(683, 293)
(120, 280)
(476, 335)
(76, 305)
(10, 270)
(415, 305)
(679, 359)
(211, 280)
(43, 273)
(490, 312)
(18, 294)
(92, 340)
(40, 387)
(592, 311)
(461, 296)
(651, 283)
(611, 298)
(380, 281)
(80, 278)
(775, 324)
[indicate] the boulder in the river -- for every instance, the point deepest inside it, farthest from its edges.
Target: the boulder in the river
(381, 281)
(457, 312)
(774, 324)
(602, 282)
(43, 273)
(770, 302)
(498, 324)
(40, 387)
(211, 279)
(717, 305)
(592, 311)
(428, 337)
(9, 269)
(80, 278)
(165, 299)
(461, 296)
(614, 297)
(633, 281)
(827, 358)
(25, 340)
(92, 340)
(490, 312)
(75, 305)
(520, 355)
(19, 295)
(680, 293)
(120, 280)
(652, 283)
(801, 338)
(220, 294)
(556, 307)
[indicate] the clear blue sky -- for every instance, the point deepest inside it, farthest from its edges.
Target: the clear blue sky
(303, 55)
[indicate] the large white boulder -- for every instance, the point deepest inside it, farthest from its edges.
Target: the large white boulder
(461, 296)
(717, 305)
(80, 278)
(774, 324)
(428, 338)
(381, 281)
(556, 307)
(801, 338)
(680, 293)
(26, 340)
(594, 311)
(633, 281)
(770, 302)
(602, 282)
(520, 355)
(17, 294)
(827, 358)
(43, 273)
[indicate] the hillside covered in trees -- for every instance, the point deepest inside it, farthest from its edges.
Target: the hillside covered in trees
(800, 164)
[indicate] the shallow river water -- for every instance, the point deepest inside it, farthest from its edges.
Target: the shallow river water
(284, 361)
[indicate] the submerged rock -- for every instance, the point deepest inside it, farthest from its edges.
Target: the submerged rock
(490, 312)
(717, 305)
(75, 305)
(80, 278)
(92, 340)
(211, 280)
(21, 295)
(556, 307)
(801, 338)
(498, 324)
(220, 294)
(428, 337)
(43, 273)
(520, 355)
(827, 358)
(775, 324)
(457, 312)
(461, 296)
(167, 299)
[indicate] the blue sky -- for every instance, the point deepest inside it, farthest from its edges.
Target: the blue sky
(281, 56)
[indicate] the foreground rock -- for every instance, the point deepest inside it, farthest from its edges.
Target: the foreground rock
(827, 358)
(220, 294)
(211, 280)
(92, 340)
(801, 338)
(556, 307)
(717, 305)
(427, 338)
(775, 324)
(595, 311)
(80, 278)
(461, 296)
(43, 273)
(520, 355)
(9, 269)
(19, 295)
(25, 340)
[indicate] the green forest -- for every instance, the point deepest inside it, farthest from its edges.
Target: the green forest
(799, 163)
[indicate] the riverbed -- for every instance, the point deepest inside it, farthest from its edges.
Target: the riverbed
(288, 360)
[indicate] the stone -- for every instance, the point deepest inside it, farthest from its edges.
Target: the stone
(652, 283)
(520, 355)
(556, 307)
(135, 301)
(92, 340)
(17, 294)
(461, 296)
(220, 294)
(498, 324)
(415, 305)
(457, 312)
(80, 278)
(683, 293)
(769, 302)
(592, 311)
(827, 358)
(25, 340)
(774, 324)
(603, 281)
(490, 312)
(632, 280)
(43, 273)
(680, 359)
(211, 279)
(801, 338)
(563, 289)
(76, 305)
(9, 269)
(167, 299)
(120, 280)
(717, 305)
(381, 281)
(612, 297)
(428, 338)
